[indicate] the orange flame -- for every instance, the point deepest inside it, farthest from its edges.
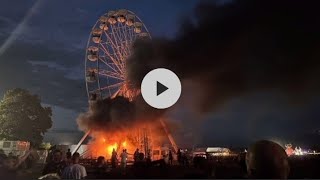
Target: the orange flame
(111, 147)
(104, 142)
(124, 144)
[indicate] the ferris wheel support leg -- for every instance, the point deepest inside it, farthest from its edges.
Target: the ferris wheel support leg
(172, 141)
(81, 141)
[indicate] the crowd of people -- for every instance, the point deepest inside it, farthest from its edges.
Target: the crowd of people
(264, 159)
(11, 165)
(68, 168)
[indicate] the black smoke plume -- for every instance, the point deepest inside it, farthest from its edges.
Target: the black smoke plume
(228, 51)
(116, 114)
(239, 48)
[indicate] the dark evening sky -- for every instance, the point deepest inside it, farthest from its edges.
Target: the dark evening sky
(42, 46)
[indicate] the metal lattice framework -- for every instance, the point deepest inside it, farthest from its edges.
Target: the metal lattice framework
(109, 46)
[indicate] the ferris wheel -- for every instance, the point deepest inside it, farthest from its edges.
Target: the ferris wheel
(109, 45)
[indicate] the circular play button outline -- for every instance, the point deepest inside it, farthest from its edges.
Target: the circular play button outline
(161, 88)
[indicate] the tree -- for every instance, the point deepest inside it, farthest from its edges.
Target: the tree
(22, 117)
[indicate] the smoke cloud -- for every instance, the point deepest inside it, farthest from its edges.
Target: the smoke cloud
(240, 48)
(116, 114)
(228, 51)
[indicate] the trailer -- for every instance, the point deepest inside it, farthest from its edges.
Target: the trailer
(15, 148)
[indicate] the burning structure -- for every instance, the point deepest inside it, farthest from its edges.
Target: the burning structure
(117, 117)
(117, 123)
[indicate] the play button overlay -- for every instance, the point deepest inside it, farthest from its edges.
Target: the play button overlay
(161, 88)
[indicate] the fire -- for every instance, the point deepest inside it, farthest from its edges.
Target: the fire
(124, 144)
(131, 138)
(111, 147)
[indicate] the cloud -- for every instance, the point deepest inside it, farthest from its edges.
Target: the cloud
(51, 74)
(73, 73)
(49, 64)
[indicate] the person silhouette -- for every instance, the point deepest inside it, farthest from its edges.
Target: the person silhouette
(114, 158)
(267, 160)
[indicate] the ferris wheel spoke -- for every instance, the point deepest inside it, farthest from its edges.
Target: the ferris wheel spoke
(126, 48)
(110, 54)
(124, 40)
(112, 86)
(116, 94)
(116, 40)
(112, 76)
(131, 32)
(126, 29)
(125, 52)
(126, 34)
(113, 46)
(118, 33)
(116, 63)
(107, 64)
(105, 72)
